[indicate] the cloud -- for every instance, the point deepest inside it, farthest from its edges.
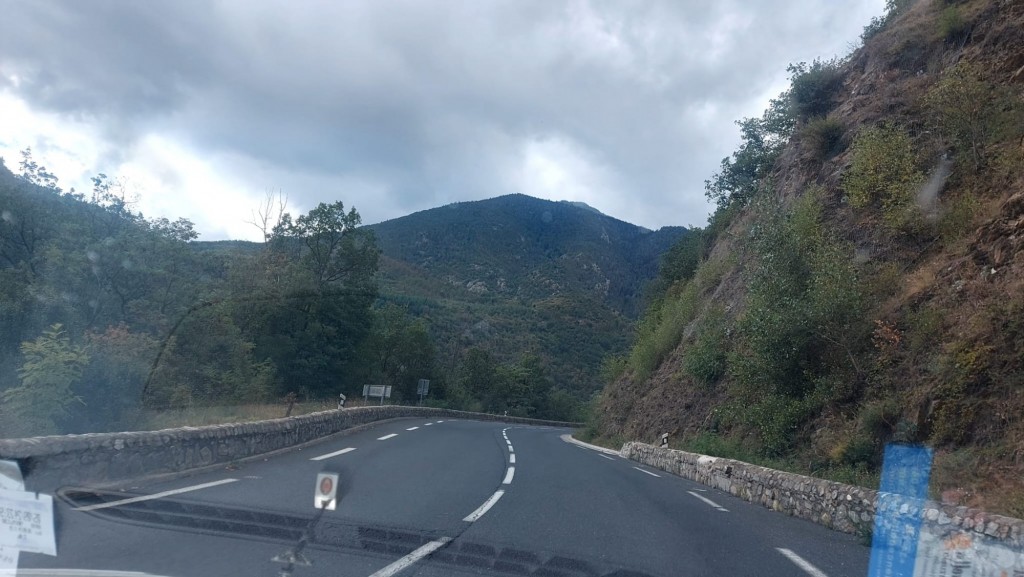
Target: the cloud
(400, 106)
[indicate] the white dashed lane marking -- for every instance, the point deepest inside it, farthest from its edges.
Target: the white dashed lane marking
(511, 472)
(475, 515)
(386, 437)
(512, 459)
(708, 501)
(412, 428)
(427, 424)
(401, 564)
(802, 563)
(334, 454)
(155, 495)
(647, 472)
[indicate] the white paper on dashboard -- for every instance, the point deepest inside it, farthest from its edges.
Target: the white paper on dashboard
(10, 478)
(26, 522)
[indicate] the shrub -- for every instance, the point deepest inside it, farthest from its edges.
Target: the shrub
(813, 86)
(705, 358)
(612, 368)
(893, 8)
(952, 26)
(884, 169)
(923, 327)
(742, 174)
(661, 329)
(964, 111)
(802, 318)
(957, 218)
(824, 136)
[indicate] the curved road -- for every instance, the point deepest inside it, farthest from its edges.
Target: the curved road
(438, 498)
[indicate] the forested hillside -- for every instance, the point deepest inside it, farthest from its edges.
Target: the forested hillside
(107, 316)
(862, 279)
(517, 275)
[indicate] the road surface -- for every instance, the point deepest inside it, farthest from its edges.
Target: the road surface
(441, 497)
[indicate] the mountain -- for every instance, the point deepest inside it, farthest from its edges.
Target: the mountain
(517, 275)
(861, 281)
(524, 249)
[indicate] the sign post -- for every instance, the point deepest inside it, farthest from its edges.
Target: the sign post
(422, 388)
(384, 392)
(326, 491)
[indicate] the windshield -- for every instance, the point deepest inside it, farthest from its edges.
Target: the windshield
(536, 288)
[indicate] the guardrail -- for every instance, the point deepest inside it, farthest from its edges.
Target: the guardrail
(104, 458)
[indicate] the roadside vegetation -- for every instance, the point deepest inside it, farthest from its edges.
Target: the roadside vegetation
(110, 320)
(857, 284)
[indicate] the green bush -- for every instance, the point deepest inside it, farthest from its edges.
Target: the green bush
(824, 137)
(968, 111)
(952, 26)
(803, 313)
(718, 446)
(661, 329)
(612, 368)
(924, 326)
(893, 8)
(884, 170)
(813, 86)
(705, 358)
(957, 218)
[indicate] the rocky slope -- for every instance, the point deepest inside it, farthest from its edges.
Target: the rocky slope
(872, 290)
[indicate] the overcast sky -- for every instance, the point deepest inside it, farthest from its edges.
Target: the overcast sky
(394, 106)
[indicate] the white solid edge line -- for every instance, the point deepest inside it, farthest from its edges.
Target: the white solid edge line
(412, 428)
(397, 566)
(154, 495)
(708, 501)
(510, 449)
(605, 456)
(386, 437)
(802, 563)
(512, 459)
(577, 443)
(334, 454)
(511, 472)
(648, 472)
(475, 515)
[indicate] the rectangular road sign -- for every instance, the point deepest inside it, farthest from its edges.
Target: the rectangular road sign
(377, 391)
(422, 387)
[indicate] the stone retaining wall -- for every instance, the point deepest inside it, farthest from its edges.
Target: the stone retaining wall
(51, 462)
(835, 505)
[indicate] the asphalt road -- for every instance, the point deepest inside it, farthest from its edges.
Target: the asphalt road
(441, 499)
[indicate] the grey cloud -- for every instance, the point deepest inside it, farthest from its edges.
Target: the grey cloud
(429, 102)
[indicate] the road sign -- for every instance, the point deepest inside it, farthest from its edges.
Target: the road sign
(326, 491)
(422, 387)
